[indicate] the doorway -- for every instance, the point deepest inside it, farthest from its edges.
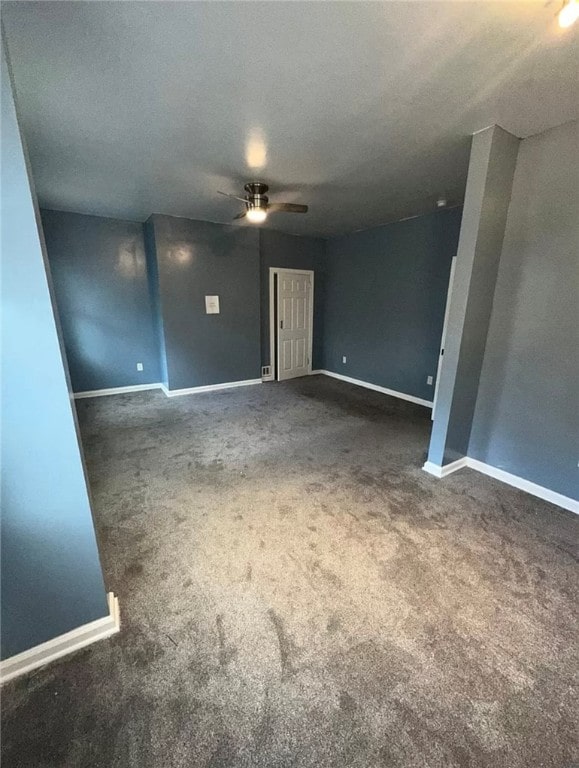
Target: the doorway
(291, 317)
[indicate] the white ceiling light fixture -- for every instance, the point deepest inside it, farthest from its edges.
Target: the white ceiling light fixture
(256, 215)
(569, 13)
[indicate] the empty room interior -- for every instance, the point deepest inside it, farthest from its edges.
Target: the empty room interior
(289, 368)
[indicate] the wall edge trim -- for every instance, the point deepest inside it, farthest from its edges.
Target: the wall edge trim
(78, 638)
(566, 502)
(115, 391)
(447, 469)
(209, 387)
(375, 387)
(515, 481)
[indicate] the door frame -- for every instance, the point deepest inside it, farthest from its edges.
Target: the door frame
(273, 330)
(443, 337)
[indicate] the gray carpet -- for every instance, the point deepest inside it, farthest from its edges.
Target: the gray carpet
(296, 591)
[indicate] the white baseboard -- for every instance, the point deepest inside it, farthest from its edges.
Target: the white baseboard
(376, 388)
(115, 391)
(505, 477)
(525, 485)
(209, 387)
(447, 469)
(63, 644)
(268, 378)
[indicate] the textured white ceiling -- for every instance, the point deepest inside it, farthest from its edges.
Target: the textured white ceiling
(362, 110)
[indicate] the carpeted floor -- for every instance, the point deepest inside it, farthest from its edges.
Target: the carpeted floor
(296, 591)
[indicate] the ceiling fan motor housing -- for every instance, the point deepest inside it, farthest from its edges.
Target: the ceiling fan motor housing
(256, 197)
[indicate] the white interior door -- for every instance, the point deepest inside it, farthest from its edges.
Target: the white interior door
(294, 324)
(443, 339)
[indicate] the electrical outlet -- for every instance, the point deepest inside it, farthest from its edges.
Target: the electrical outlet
(429, 380)
(344, 359)
(139, 366)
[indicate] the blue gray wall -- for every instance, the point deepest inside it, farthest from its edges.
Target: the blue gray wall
(488, 192)
(385, 294)
(293, 252)
(199, 258)
(115, 313)
(123, 303)
(100, 278)
(527, 412)
(51, 580)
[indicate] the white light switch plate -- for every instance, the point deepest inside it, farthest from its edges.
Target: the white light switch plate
(139, 366)
(212, 305)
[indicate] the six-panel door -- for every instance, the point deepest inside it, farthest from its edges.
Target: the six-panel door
(293, 292)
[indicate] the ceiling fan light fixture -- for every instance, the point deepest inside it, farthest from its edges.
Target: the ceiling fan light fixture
(257, 205)
(256, 215)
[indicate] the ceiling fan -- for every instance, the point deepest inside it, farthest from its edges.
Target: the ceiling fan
(257, 205)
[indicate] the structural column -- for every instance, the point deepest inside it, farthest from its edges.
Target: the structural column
(488, 193)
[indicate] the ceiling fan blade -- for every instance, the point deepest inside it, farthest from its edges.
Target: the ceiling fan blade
(239, 215)
(235, 197)
(287, 208)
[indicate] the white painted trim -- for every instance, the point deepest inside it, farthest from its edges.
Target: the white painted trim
(273, 330)
(376, 388)
(505, 477)
(209, 387)
(63, 644)
(443, 337)
(115, 391)
(295, 271)
(447, 469)
(525, 485)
